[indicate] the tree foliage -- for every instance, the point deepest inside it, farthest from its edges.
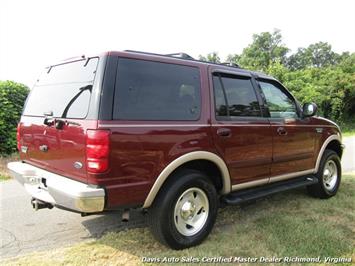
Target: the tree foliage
(316, 55)
(266, 49)
(211, 57)
(313, 74)
(12, 98)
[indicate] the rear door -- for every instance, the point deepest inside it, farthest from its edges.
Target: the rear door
(63, 93)
(293, 136)
(241, 134)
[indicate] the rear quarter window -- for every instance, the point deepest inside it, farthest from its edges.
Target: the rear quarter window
(65, 90)
(147, 90)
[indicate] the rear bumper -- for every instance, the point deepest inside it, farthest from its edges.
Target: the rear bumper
(58, 190)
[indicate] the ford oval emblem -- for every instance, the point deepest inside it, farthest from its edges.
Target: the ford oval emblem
(78, 165)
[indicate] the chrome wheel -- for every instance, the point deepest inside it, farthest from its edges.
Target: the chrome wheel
(330, 175)
(191, 211)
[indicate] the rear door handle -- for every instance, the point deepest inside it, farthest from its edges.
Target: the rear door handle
(282, 131)
(224, 132)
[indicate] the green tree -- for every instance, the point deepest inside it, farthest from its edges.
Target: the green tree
(313, 74)
(266, 48)
(233, 58)
(319, 54)
(211, 57)
(12, 98)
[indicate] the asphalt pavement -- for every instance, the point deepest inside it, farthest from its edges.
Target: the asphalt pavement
(23, 230)
(348, 159)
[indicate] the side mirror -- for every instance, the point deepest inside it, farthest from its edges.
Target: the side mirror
(309, 109)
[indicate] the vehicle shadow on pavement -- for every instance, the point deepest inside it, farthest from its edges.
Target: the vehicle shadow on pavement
(112, 222)
(98, 225)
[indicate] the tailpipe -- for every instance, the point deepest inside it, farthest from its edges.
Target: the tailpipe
(125, 215)
(38, 204)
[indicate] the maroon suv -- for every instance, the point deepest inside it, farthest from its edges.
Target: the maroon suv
(170, 135)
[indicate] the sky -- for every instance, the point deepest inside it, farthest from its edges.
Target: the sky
(37, 33)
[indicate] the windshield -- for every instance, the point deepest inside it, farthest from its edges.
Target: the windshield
(64, 91)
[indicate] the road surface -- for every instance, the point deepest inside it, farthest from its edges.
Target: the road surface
(348, 160)
(23, 230)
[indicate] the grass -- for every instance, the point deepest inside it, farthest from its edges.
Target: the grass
(349, 133)
(348, 127)
(3, 166)
(285, 225)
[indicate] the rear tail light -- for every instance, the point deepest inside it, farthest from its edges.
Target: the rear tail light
(18, 137)
(97, 150)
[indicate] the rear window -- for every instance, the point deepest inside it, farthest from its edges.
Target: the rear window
(147, 90)
(65, 90)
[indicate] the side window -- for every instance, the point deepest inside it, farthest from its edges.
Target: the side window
(235, 97)
(279, 103)
(219, 98)
(147, 90)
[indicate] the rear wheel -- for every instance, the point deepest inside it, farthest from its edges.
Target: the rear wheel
(184, 211)
(329, 176)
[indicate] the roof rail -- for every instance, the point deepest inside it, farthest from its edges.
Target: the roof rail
(185, 56)
(181, 55)
(230, 64)
(140, 52)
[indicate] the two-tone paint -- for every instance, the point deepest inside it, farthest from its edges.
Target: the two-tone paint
(143, 154)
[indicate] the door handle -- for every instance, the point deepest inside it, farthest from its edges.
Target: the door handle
(224, 132)
(282, 131)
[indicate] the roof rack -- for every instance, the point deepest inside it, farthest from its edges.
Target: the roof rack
(230, 64)
(185, 57)
(181, 55)
(140, 52)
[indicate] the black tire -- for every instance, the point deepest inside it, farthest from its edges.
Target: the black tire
(162, 217)
(325, 189)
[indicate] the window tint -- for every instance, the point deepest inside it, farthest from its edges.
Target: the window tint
(279, 103)
(240, 96)
(148, 90)
(65, 90)
(220, 102)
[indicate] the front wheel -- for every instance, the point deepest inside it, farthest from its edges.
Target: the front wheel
(329, 176)
(184, 212)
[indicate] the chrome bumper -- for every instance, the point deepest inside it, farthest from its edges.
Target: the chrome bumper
(58, 190)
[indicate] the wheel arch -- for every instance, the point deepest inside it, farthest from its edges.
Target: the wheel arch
(186, 160)
(333, 142)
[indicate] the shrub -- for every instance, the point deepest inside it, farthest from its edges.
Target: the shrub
(12, 99)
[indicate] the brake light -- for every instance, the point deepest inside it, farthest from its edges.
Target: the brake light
(97, 150)
(18, 137)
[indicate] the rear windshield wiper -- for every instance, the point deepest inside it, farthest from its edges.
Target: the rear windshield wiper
(76, 96)
(59, 123)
